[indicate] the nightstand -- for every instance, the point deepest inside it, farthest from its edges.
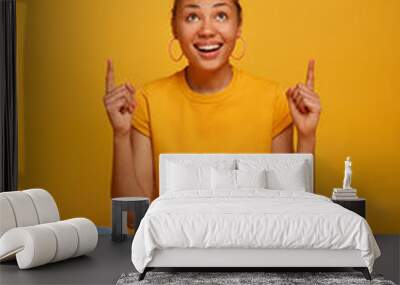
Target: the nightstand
(120, 206)
(356, 205)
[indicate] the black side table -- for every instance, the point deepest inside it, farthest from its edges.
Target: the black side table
(356, 205)
(120, 206)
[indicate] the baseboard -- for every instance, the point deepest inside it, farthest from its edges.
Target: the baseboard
(104, 230)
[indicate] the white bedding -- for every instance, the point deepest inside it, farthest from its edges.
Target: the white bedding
(250, 218)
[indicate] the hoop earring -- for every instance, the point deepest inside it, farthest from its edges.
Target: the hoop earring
(170, 51)
(243, 52)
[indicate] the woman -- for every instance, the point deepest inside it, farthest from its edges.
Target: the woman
(210, 106)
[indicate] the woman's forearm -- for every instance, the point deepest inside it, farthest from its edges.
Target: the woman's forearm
(306, 144)
(123, 182)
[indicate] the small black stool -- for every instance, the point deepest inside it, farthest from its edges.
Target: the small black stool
(120, 207)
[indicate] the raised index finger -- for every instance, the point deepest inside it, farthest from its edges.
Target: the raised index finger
(110, 84)
(310, 74)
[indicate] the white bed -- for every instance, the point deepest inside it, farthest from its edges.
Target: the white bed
(248, 226)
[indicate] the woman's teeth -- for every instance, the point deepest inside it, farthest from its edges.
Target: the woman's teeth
(208, 48)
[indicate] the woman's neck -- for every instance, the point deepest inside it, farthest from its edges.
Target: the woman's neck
(204, 81)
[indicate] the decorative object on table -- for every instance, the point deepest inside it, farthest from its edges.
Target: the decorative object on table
(31, 231)
(347, 174)
(344, 194)
(357, 205)
(244, 278)
(120, 208)
(347, 192)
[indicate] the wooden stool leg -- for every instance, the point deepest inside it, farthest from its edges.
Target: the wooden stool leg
(116, 221)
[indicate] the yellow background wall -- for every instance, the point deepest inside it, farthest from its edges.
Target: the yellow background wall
(65, 136)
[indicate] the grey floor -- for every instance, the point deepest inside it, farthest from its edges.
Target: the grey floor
(388, 263)
(102, 266)
(110, 260)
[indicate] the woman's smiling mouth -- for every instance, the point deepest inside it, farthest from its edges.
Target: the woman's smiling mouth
(208, 51)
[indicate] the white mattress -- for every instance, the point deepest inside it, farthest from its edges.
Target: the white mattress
(250, 218)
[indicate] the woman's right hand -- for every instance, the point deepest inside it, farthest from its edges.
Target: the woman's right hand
(119, 103)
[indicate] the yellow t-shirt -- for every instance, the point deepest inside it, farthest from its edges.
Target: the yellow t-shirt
(242, 118)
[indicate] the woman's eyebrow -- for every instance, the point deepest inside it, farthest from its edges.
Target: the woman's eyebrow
(191, 6)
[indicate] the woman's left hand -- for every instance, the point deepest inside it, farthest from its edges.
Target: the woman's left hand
(304, 105)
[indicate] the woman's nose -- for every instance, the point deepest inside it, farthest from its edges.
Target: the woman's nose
(207, 28)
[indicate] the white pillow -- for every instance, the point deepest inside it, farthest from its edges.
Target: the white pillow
(283, 174)
(182, 177)
(288, 179)
(236, 179)
(223, 179)
(180, 172)
(251, 178)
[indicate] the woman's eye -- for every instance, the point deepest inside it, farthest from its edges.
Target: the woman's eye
(222, 16)
(191, 17)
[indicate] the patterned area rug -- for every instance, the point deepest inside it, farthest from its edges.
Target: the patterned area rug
(269, 278)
